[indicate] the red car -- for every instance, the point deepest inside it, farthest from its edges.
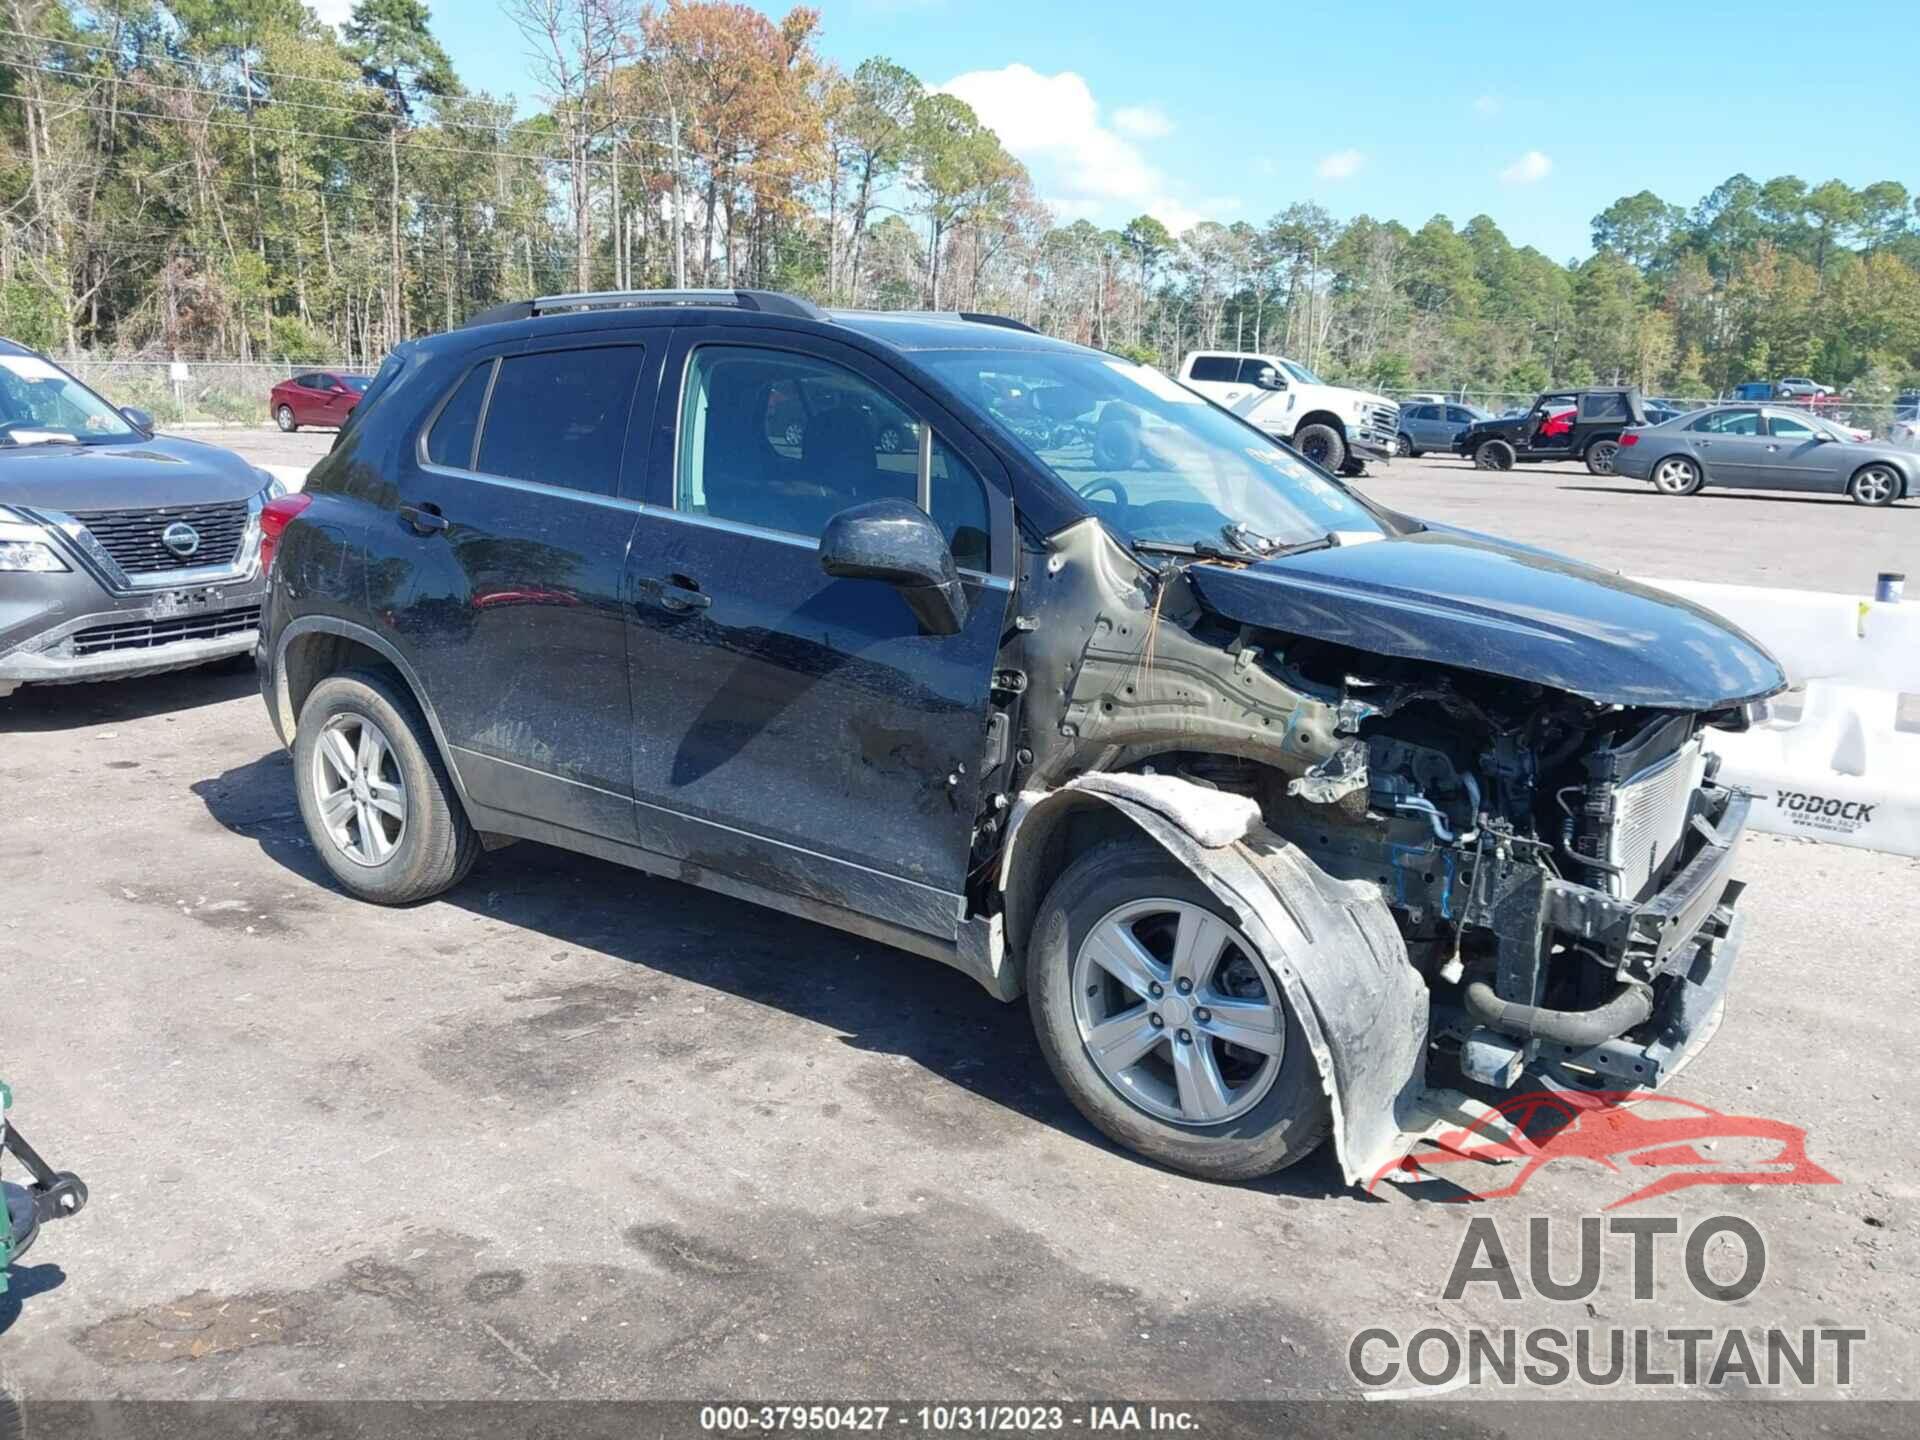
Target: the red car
(320, 397)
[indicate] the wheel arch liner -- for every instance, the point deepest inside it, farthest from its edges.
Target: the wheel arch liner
(1331, 945)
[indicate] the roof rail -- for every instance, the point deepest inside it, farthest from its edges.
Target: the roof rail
(766, 302)
(1005, 322)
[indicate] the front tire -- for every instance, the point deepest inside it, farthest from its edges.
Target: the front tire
(1124, 928)
(1600, 456)
(1875, 486)
(378, 803)
(1403, 447)
(284, 416)
(1493, 455)
(1323, 445)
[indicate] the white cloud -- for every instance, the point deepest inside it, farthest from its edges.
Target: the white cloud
(1340, 165)
(1487, 105)
(1532, 166)
(332, 12)
(1086, 167)
(1143, 122)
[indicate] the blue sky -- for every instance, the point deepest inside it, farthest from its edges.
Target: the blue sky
(1539, 116)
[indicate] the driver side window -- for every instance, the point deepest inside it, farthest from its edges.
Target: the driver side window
(785, 441)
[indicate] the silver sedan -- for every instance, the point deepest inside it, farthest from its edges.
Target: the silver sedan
(1765, 447)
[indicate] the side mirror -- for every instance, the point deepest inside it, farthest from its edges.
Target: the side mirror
(898, 544)
(136, 417)
(1268, 378)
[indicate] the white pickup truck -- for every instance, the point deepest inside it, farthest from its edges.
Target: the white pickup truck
(1329, 424)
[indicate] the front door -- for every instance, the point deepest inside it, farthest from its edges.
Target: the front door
(1804, 458)
(1549, 429)
(511, 546)
(793, 730)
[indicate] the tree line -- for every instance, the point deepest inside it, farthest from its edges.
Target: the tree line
(232, 179)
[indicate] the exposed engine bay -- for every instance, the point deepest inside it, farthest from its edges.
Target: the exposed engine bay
(1556, 866)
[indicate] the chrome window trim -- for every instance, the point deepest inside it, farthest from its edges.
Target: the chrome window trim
(801, 542)
(538, 487)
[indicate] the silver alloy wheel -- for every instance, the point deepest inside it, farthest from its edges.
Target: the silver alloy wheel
(358, 789)
(1675, 477)
(1176, 1013)
(1403, 447)
(1602, 455)
(1875, 485)
(284, 415)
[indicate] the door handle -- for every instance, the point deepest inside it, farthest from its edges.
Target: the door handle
(424, 518)
(678, 593)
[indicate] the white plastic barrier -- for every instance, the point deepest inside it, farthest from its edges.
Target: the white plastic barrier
(1841, 772)
(291, 476)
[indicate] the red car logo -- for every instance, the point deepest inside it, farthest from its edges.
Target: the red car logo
(1686, 1143)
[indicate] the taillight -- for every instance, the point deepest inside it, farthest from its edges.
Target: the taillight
(275, 516)
(1630, 437)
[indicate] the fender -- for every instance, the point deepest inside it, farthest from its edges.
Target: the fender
(1331, 944)
(284, 719)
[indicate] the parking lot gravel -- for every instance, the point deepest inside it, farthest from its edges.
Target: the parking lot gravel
(574, 1132)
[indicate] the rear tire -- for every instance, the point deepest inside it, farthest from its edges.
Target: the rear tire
(1493, 455)
(425, 849)
(1676, 476)
(284, 415)
(1599, 456)
(1323, 445)
(1275, 1111)
(1875, 486)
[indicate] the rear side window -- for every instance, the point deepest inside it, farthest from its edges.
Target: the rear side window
(1215, 367)
(560, 417)
(1609, 405)
(1729, 422)
(451, 440)
(382, 382)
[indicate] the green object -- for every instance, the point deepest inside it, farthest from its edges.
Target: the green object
(53, 1195)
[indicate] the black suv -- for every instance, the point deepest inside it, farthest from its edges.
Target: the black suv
(1561, 425)
(1264, 795)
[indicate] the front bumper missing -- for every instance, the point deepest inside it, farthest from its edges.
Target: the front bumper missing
(1682, 943)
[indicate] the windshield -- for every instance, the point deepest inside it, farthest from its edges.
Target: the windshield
(40, 404)
(1301, 373)
(1153, 460)
(356, 383)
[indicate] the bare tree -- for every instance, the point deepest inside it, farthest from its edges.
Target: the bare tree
(574, 46)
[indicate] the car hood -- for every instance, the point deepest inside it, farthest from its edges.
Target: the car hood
(1452, 597)
(132, 474)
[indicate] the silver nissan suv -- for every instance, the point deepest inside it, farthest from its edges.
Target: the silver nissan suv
(121, 552)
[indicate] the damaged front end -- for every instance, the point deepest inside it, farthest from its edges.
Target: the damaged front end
(1458, 876)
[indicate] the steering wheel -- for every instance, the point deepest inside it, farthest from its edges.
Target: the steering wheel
(1107, 482)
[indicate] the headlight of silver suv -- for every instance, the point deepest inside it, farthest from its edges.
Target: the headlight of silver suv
(29, 555)
(21, 550)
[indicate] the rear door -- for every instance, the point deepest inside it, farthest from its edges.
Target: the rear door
(508, 572)
(1429, 428)
(1217, 377)
(1732, 449)
(790, 729)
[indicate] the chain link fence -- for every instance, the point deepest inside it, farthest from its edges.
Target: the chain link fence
(1878, 418)
(193, 391)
